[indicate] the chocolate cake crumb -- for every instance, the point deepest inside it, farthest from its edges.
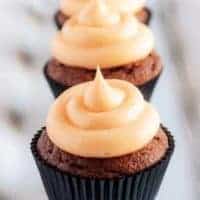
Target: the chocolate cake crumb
(144, 15)
(138, 73)
(107, 167)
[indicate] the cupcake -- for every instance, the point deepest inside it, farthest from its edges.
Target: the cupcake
(71, 7)
(102, 141)
(119, 43)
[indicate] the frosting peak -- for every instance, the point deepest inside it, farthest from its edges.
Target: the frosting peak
(100, 96)
(99, 36)
(96, 13)
(79, 123)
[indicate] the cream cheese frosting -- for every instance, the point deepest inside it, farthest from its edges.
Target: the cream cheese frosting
(71, 7)
(98, 35)
(102, 119)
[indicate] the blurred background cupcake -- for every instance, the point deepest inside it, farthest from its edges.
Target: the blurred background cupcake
(122, 46)
(71, 7)
(103, 141)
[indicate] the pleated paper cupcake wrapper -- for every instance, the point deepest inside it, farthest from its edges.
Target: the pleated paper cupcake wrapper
(143, 185)
(57, 88)
(59, 24)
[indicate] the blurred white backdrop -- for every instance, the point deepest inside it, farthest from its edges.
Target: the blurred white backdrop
(25, 37)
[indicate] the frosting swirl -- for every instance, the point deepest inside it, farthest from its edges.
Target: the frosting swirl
(102, 119)
(99, 36)
(71, 7)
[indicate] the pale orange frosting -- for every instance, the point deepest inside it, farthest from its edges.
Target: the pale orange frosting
(99, 36)
(102, 119)
(71, 7)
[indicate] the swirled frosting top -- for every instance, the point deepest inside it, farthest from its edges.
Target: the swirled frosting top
(71, 7)
(102, 119)
(99, 36)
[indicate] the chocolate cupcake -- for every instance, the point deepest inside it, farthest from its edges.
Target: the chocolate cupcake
(123, 47)
(71, 7)
(102, 141)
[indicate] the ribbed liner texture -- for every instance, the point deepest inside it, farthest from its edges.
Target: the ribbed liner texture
(57, 88)
(140, 186)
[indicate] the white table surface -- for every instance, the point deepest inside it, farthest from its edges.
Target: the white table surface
(25, 35)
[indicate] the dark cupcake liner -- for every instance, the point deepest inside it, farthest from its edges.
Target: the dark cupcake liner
(59, 24)
(57, 88)
(143, 185)
(56, 20)
(148, 88)
(149, 15)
